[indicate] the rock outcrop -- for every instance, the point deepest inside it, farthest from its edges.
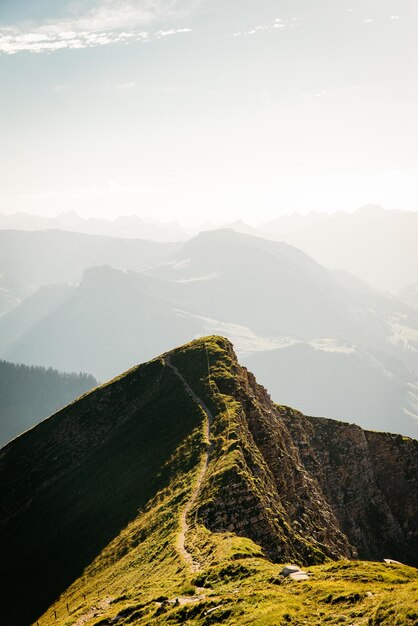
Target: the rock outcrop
(307, 486)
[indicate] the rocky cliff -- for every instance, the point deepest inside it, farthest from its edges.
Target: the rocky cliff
(313, 486)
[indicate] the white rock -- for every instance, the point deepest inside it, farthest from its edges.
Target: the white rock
(392, 561)
(289, 569)
(299, 575)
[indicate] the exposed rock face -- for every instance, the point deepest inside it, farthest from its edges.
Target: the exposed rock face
(302, 488)
(370, 478)
(267, 494)
(316, 485)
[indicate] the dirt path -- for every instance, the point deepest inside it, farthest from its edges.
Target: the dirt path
(95, 611)
(184, 526)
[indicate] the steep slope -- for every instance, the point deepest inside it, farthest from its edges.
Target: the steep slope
(29, 394)
(369, 477)
(183, 464)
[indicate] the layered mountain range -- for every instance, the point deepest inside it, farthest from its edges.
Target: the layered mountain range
(320, 340)
(374, 244)
(183, 468)
(30, 260)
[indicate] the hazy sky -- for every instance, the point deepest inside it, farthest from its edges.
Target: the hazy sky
(199, 109)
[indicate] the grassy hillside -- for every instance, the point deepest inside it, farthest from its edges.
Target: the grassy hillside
(125, 454)
(242, 591)
(93, 510)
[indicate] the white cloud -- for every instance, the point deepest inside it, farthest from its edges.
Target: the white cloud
(125, 86)
(108, 22)
(278, 24)
(173, 31)
(394, 17)
(37, 42)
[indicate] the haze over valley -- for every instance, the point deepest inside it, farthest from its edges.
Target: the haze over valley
(317, 338)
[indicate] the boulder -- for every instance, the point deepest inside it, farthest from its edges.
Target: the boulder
(300, 575)
(290, 569)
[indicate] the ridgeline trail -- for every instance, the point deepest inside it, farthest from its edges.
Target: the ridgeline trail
(184, 525)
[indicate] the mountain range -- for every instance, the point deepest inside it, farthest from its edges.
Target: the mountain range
(371, 243)
(124, 226)
(176, 492)
(30, 260)
(320, 339)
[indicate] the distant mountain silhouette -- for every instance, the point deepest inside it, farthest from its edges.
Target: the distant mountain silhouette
(124, 226)
(375, 244)
(263, 295)
(29, 260)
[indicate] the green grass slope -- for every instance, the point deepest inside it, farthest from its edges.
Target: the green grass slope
(77, 480)
(93, 500)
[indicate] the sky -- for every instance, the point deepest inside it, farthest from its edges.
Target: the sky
(195, 110)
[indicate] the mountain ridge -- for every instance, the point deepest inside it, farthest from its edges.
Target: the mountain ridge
(134, 450)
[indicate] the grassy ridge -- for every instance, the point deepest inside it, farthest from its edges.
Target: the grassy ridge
(74, 518)
(140, 578)
(95, 536)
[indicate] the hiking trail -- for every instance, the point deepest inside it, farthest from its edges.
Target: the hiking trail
(184, 525)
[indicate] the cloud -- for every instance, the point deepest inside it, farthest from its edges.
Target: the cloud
(37, 42)
(11, 43)
(125, 86)
(350, 90)
(278, 24)
(104, 24)
(173, 31)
